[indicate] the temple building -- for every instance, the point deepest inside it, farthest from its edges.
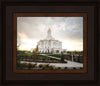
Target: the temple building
(50, 45)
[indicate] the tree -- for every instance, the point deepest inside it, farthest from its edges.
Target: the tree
(35, 53)
(62, 57)
(36, 50)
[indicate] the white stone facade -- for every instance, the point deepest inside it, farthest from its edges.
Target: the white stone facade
(50, 45)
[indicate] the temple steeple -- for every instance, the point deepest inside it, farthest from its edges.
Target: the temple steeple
(49, 32)
(49, 36)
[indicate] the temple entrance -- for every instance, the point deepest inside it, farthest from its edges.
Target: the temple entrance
(57, 51)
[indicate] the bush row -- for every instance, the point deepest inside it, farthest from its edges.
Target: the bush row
(41, 66)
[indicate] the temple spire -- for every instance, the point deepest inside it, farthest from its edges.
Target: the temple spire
(49, 29)
(49, 32)
(49, 36)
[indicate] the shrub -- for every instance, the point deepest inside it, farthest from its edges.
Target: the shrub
(66, 68)
(81, 68)
(74, 67)
(47, 65)
(52, 67)
(59, 67)
(19, 66)
(30, 65)
(24, 65)
(41, 65)
(34, 65)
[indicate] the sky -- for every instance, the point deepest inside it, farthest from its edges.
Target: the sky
(69, 30)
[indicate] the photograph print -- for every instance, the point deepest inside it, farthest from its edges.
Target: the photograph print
(49, 43)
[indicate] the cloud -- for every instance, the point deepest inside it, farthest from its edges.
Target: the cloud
(63, 28)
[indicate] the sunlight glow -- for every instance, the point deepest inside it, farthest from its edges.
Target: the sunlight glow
(28, 44)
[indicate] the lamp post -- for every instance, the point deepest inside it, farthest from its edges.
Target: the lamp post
(72, 56)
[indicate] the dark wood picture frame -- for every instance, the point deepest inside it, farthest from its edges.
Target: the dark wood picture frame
(7, 76)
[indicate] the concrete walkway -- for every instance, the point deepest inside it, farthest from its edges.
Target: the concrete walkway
(69, 63)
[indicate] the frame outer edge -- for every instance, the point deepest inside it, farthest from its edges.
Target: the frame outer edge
(0, 43)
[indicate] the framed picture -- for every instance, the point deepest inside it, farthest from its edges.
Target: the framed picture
(50, 55)
(48, 43)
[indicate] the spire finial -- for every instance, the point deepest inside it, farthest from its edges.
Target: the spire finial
(49, 29)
